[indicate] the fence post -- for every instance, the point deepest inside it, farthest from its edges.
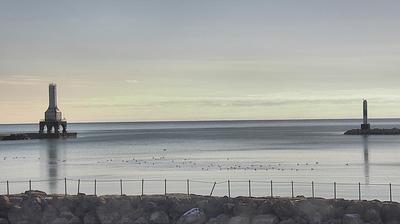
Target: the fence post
(249, 188)
(142, 187)
(292, 189)
(272, 195)
(65, 186)
(79, 185)
(312, 189)
(212, 190)
(165, 186)
(8, 188)
(187, 187)
(95, 187)
(120, 185)
(229, 188)
(390, 192)
(334, 190)
(30, 185)
(359, 191)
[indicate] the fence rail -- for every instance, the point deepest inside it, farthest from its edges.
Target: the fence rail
(226, 188)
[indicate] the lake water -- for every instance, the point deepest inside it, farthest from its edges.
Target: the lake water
(206, 152)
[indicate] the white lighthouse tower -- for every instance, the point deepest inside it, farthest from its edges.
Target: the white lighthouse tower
(365, 125)
(53, 116)
(53, 113)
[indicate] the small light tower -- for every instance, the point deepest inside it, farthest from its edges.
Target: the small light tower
(53, 116)
(365, 125)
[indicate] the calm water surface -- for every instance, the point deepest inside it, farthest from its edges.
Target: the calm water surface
(282, 151)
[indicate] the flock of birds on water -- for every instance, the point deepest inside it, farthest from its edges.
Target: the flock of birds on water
(228, 164)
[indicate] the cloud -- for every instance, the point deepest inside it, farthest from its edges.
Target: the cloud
(227, 102)
(132, 81)
(21, 80)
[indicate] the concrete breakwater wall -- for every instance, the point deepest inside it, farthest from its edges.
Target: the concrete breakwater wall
(37, 207)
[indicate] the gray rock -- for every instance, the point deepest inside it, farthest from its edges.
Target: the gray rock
(60, 221)
(221, 219)
(90, 218)
(16, 215)
(159, 217)
(393, 222)
(284, 209)
(333, 221)
(287, 221)
(107, 214)
(67, 215)
(265, 208)
(5, 203)
(74, 220)
(126, 220)
(49, 215)
(239, 220)
(141, 220)
(3, 221)
(245, 207)
(229, 208)
(265, 219)
(352, 219)
(193, 216)
(390, 212)
(372, 216)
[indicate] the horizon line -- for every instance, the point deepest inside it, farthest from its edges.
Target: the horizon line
(210, 120)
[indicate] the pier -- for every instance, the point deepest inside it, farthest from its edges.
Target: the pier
(52, 123)
(366, 127)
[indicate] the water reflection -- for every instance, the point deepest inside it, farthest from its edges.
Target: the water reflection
(51, 163)
(366, 159)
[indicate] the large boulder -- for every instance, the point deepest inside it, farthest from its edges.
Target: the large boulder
(74, 220)
(60, 221)
(390, 212)
(90, 218)
(265, 207)
(212, 207)
(107, 214)
(245, 207)
(284, 208)
(5, 203)
(372, 216)
(288, 221)
(141, 220)
(239, 220)
(86, 204)
(126, 220)
(220, 219)
(16, 214)
(352, 219)
(265, 219)
(159, 217)
(49, 214)
(193, 216)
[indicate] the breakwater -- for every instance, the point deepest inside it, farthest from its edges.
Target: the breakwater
(28, 136)
(374, 131)
(37, 207)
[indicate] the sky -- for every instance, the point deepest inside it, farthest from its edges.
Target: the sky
(148, 60)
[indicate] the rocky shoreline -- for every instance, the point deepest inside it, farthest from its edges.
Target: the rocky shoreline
(36, 207)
